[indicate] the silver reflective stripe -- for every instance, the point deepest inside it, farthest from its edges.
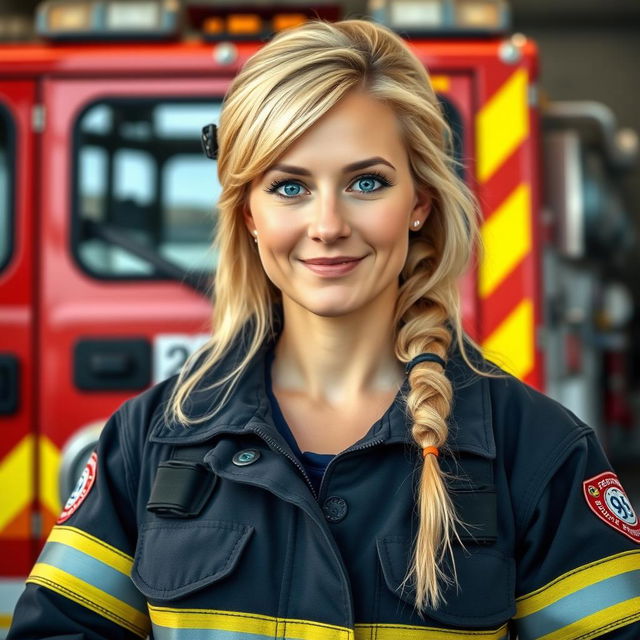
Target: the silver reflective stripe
(95, 572)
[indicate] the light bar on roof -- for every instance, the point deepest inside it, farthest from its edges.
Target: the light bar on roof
(417, 13)
(133, 15)
(71, 16)
(442, 17)
(108, 19)
(478, 14)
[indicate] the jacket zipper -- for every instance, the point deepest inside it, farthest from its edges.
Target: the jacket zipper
(342, 454)
(274, 445)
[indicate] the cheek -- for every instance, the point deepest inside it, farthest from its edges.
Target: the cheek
(276, 239)
(275, 228)
(390, 229)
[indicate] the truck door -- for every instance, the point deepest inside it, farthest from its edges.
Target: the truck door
(17, 311)
(128, 196)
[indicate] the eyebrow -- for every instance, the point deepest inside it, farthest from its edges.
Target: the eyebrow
(354, 166)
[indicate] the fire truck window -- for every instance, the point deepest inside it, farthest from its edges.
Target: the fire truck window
(452, 116)
(146, 194)
(6, 183)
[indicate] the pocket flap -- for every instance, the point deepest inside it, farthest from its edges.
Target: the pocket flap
(167, 564)
(486, 582)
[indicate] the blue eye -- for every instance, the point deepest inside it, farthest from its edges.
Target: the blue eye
(290, 189)
(367, 184)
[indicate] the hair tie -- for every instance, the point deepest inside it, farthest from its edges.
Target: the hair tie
(430, 450)
(425, 357)
(209, 141)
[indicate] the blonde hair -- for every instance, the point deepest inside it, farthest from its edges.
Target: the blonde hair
(279, 94)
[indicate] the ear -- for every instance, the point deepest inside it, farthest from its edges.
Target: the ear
(421, 208)
(248, 219)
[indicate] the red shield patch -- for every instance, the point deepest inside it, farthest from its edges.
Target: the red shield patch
(81, 490)
(608, 500)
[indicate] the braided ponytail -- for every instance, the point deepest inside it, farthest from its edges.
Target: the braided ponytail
(424, 328)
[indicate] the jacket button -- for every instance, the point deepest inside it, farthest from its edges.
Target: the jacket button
(335, 508)
(245, 457)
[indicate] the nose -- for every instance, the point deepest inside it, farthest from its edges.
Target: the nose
(328, 222)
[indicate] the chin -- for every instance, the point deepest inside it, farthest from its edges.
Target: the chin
(330, 306)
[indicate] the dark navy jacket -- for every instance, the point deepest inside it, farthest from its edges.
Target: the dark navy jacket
(266, 558)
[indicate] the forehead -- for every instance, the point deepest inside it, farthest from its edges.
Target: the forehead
(358, 126)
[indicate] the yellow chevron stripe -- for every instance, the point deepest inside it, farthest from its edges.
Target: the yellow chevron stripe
(92, 546)
(441, 84)
(575, 580)
(406, 632)
(90, 597)
(512, 343)
(507, 239)
(49, 467)
(598, 623)
(5, 621)
(16, 480)
(239, 622)
(502, 124)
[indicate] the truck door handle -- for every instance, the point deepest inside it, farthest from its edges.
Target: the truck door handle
(108, 364)
(9, 384)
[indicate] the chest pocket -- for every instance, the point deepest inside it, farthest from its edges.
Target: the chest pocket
(485, 591)
(484, 595)
(179, 553)
(169, 562)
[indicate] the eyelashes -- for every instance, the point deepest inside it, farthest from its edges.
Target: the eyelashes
(372, 175)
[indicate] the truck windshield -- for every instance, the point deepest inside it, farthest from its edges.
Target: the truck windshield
(144, 194)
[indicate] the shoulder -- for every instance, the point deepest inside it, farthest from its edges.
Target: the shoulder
(512, 417)
(134, 419)
(525, 417)
(537, 440)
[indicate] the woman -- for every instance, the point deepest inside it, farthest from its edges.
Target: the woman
(339, 461)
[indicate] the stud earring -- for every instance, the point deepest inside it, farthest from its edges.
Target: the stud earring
(416, 223)
(255, 233)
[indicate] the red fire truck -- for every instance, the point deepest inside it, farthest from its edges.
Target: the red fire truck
(107, 208)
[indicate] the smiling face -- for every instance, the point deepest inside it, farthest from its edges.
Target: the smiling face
(333, 214)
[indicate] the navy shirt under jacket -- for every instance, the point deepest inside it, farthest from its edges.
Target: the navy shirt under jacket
(314, 463)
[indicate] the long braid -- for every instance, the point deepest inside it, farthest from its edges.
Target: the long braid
(424, 329)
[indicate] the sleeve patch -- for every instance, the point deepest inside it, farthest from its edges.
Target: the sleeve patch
(81, 490)
(607, 499)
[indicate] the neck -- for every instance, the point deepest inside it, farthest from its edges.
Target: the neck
(334, 360)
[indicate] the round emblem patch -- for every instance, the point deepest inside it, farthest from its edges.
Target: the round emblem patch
(81, 490)
(607, 499)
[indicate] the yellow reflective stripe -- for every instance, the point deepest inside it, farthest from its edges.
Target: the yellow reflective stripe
(575, 580)
(239, 622)
(16, 480)
(90, 597)
(596, 624)
(96, 548)
(502, 124)
(49, 467)
(270, 627)
(512, 343)
(406, 632)
(507, 239)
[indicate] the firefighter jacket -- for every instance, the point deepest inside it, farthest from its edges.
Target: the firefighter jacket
(213, 532)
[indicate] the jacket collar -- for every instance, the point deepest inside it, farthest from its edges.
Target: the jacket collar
(470, 424)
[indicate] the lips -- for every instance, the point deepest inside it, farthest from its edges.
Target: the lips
(337, 260)
(332, 267)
